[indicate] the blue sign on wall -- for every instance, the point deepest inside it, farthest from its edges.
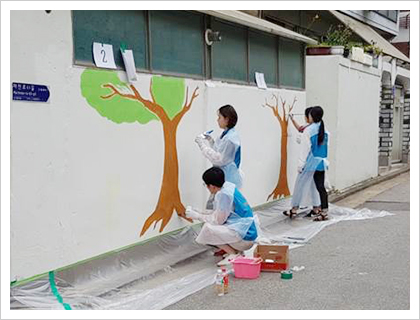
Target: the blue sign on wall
(30, 92)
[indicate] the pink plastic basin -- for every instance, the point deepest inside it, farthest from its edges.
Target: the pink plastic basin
(247, 268)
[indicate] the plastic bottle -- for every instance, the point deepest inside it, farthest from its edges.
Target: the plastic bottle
(225, 280)
(219, 285)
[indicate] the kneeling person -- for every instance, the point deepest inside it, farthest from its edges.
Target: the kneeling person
(230, 226)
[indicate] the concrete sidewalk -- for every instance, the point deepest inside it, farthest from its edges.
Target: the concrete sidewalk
(361, 265)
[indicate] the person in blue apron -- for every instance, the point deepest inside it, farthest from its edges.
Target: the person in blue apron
(230, 226)
(225, 151)
(310, 182)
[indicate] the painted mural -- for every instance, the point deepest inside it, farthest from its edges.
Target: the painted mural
(282, 187)
(121, 102)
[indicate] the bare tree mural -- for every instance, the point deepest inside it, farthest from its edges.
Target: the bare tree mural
(121, 102)
(282, 187)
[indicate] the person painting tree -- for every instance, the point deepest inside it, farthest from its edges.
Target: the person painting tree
(312, 164)
(231, 224)
(123, 103)
(282, 187)
(302, 127)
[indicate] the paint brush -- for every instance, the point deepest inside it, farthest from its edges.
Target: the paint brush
(207, 133)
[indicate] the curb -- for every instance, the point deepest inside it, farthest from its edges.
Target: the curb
(334, 197)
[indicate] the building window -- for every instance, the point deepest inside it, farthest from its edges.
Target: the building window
(390, 14)
(172, 42)
(177, 42)
(229, 56)
(111, 27)
(292, 66)
(263, 57)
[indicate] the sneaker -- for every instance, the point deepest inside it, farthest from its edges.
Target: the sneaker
(228, 259)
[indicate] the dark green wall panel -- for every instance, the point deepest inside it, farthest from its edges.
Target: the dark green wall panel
(230, 55)
(263, 56)
(177, 39)
(291, 64)
(111, 27)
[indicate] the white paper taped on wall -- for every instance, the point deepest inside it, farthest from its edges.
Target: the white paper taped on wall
(130, 66)
(259, 79)
(103, 55)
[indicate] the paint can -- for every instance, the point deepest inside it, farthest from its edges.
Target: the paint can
(287, 274)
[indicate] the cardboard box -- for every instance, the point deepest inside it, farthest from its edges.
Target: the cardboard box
(275, 258)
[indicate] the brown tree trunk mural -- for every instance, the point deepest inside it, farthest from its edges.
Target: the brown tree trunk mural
(169, 198)
(282, 187)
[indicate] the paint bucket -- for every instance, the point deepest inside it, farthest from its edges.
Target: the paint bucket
(247, 268)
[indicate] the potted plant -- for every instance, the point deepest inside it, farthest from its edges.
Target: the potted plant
(373, 50)
(337, 38)
(349, 45)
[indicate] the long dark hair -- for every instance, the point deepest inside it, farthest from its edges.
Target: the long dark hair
(307, 112)
(316, 114)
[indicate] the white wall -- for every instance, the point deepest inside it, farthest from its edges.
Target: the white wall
(349, 93)
(82, 185)
(322, 90)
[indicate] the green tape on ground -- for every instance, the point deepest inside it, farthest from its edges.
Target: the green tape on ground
(55, 291)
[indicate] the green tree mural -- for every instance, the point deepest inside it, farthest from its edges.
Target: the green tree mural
(121, 102)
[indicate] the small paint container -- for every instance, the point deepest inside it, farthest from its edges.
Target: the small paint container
(287, 274)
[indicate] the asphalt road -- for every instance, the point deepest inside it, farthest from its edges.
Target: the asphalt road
(351, 265)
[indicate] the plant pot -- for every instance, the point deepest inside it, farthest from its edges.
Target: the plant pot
(317, 51)
(338, 50)
(367, 60)
(346, 52)
(357, 54)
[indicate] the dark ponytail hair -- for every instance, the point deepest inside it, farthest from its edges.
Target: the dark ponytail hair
(307, 112)
(227, 111)
(316, 114)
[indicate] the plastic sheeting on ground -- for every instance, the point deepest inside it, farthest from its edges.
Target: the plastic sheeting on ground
(277, 228)
(161, 272)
